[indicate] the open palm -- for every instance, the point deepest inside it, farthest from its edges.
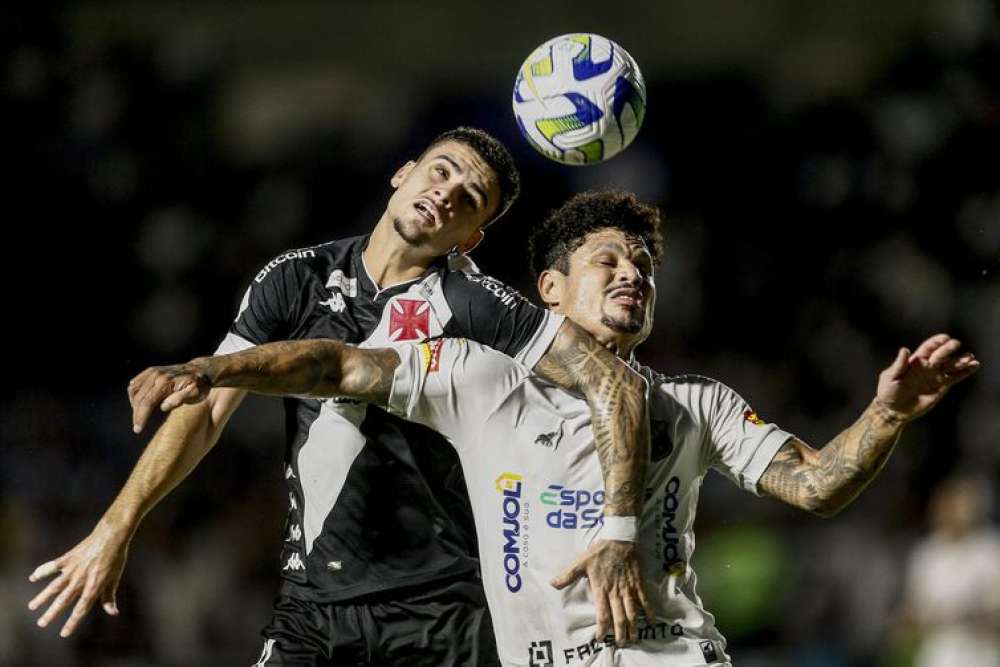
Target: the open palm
(917, 380)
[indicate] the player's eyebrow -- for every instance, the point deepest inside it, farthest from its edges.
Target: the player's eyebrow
(483, 196)
(633, 251)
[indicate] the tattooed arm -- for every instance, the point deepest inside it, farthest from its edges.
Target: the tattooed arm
(827, 480)
(317, 368)
(617, 398)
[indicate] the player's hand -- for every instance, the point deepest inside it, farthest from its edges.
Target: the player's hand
(612, 568)
(90, 571)
(167, 387)
(916, 381)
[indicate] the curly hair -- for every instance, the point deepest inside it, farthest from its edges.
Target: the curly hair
(496, 155)
(551, 243)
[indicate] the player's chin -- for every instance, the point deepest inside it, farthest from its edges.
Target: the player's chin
(626, 321)
(414, 232)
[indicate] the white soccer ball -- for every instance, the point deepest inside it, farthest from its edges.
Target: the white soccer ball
(579, 99)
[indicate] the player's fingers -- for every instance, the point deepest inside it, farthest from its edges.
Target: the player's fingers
(573, 571)
(962, 373)
(148, 398)
(603, 614)
(925, 349)
(109, 596)
(647, 604)
(631, 615)
(58, 605)
(48, 592)
(186, 393)
(80, 610)
(898, 367)
(44, 571)
(137, 385)
(943, 353)
(618, 618)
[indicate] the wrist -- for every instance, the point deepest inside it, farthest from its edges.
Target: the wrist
(621, 528)
(888, 415)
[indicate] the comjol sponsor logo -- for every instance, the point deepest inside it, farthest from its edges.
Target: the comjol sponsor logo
(669, 535)
(509, 486)
(577, 508)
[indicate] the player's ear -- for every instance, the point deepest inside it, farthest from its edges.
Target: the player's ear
(473, 241)
(551, 284)
(401, 173)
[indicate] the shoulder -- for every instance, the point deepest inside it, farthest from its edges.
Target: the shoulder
(310, 259)
(477, 287)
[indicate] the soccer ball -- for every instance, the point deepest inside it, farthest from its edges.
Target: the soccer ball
(579, 99)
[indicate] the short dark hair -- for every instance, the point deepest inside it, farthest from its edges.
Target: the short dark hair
(552, 242)
(496, 155)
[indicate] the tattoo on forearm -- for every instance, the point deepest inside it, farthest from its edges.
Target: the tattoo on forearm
(827, 480)
(320, 368)
(618, 407)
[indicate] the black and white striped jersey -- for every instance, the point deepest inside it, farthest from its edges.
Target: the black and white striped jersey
(375, 503)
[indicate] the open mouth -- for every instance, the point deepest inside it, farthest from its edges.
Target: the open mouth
(427, 210)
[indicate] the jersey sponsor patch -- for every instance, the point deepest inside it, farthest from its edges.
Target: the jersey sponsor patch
(281, 259)
(507, 295)
(349, 286)
(430, 354)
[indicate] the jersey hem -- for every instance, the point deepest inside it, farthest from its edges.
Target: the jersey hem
(349, 593)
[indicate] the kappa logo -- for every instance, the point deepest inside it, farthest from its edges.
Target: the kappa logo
(548, 440)
(294, 563)
(409, 319)
(294, 532)
(335, 302)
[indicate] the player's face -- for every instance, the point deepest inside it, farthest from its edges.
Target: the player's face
(443, 200)
(609, 289)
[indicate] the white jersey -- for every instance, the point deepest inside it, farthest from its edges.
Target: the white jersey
(537, 494)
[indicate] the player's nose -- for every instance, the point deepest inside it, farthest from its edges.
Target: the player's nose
(628, 273)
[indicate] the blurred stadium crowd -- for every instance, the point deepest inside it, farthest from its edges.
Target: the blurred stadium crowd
(812, 229)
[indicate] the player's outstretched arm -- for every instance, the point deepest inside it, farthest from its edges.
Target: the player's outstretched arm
(316, 368)
(91, 570)
(827, 480)
(617, 398)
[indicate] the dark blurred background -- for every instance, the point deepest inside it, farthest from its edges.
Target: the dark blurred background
(830, 181)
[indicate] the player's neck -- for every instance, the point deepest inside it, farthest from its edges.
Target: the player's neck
(390, 260)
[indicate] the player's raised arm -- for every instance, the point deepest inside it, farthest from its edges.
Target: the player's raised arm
(91, 570)
(315, 368)
(827, 480)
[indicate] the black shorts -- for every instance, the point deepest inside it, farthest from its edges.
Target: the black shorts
(442, 624)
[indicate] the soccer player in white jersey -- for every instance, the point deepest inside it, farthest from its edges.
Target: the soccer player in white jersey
(527, 449)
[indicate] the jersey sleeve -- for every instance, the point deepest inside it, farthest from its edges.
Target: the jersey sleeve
(487, 311)
(741, 445)
(451, 385)
(267, 311)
